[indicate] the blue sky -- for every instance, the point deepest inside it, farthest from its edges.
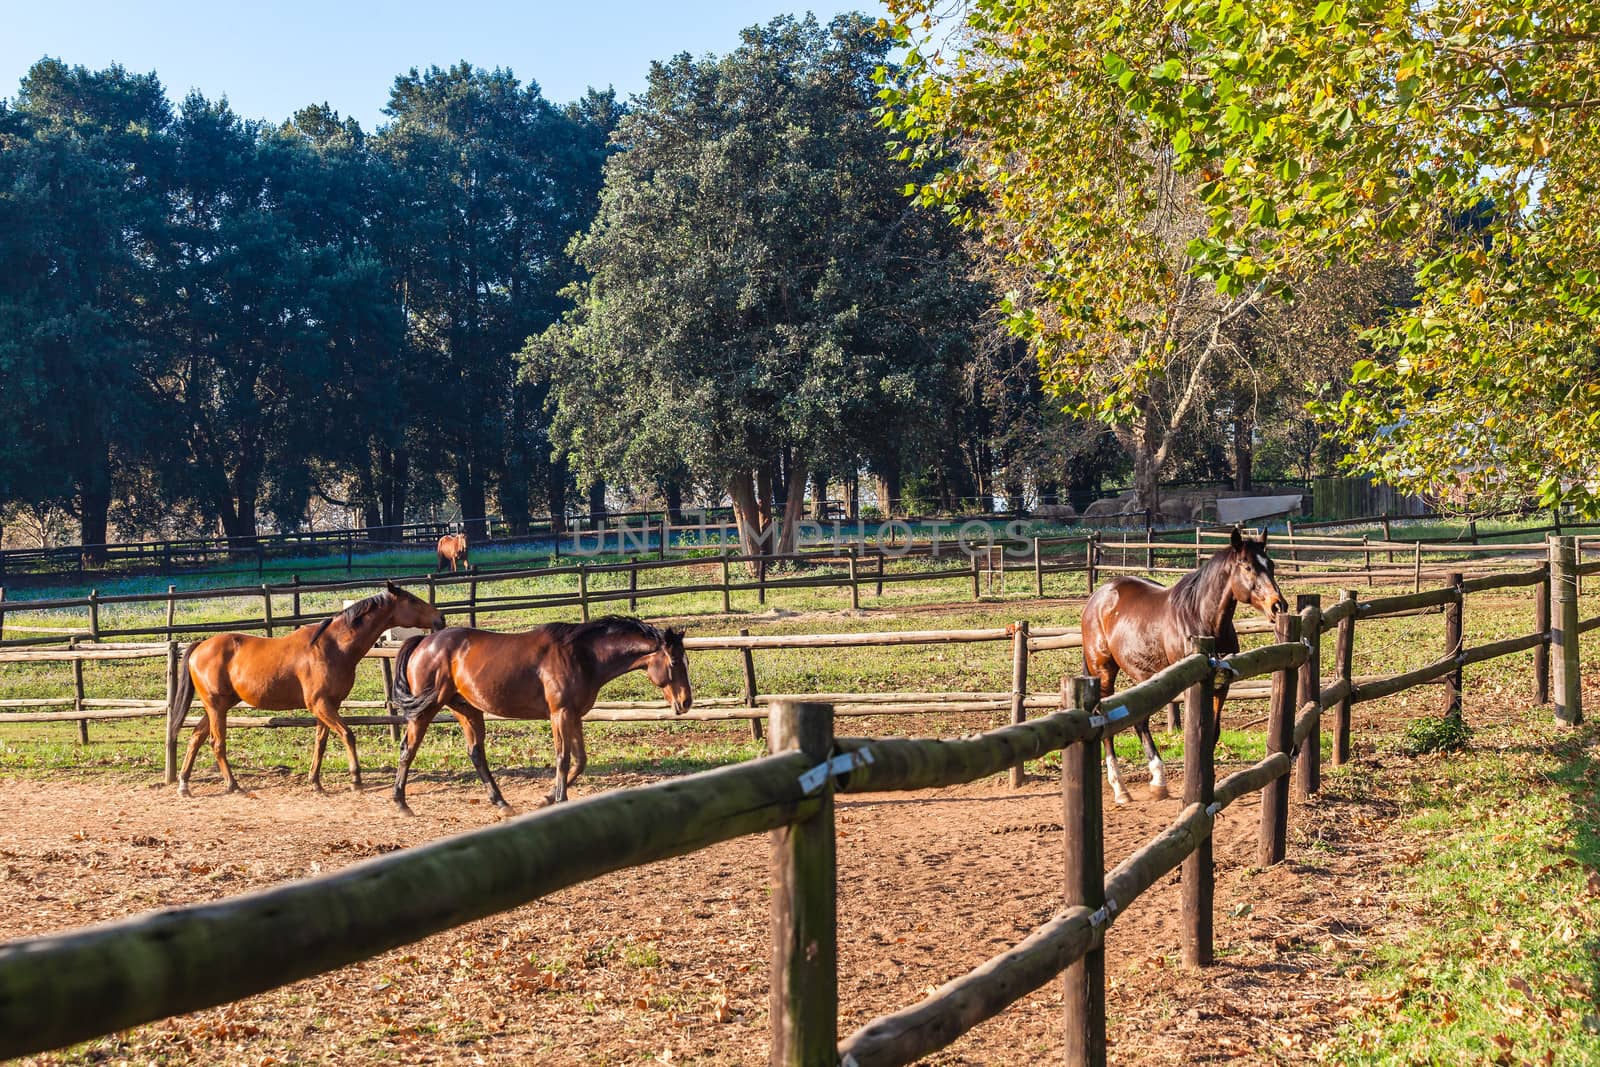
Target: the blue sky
(270, 58)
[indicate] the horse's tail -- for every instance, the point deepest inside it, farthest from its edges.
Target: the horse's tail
(406, 702)
(183, 688)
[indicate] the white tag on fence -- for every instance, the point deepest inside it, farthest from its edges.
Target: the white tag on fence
(812, 780)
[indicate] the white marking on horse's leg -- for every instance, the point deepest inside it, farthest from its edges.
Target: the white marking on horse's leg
(1158, 774)
(1118, 791)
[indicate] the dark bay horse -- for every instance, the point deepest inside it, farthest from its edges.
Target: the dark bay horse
(452, 550)
(314, 668)
(1137, 627)
(551, 672)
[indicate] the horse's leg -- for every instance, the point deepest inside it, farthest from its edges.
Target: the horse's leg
(409, 744)
(1158, 770)
(1217, 697)
(562, 726)
(580, 753)
(318, 746)
(1107, 673)
(202, 730)
(218, 717)
(472, 731)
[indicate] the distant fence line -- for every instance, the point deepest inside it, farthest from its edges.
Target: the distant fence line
(182, 959)
(1310, 558)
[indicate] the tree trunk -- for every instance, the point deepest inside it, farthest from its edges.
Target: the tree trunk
(674, 494)
(94, 501)
(889, 491)
(556, 495)
(819, 496)
(1243, 449)
(1147, 459)
(852, 496)
(471, 498)
(597, 503)
(747, 513)
(396, 485)
(793, 505)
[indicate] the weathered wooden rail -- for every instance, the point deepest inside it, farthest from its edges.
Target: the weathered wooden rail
(79, 984)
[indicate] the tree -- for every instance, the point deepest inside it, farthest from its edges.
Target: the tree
(83, 159)
(496, 180)
(1461, 136)
(761, 302)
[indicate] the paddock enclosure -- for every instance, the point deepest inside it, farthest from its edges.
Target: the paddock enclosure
(818, 795)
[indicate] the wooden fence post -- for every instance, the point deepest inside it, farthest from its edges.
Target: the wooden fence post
(1564, 630)
(1365, 540)
(583, 590)
(727, 594)
(294, 601)
(855, 585)
(1091, 559)
(1149, 548)
(1199, 781)
(349, 552)
(749, 657)
(94, 614)
(174, 721)
(1084, 981)
(1541, 654)
(879, 553)
(472, 595)
(1280, 732)
(266, 606)
(1038, 570)
(2, 613)
(396, 732)
(1309, 763)
(976, 592)
(1452, 645)
(804, 998)
(761, 581)
(77, 696)
(633, 585)
(1197, 559)
(1343, 653)
(1019, 686)
(1416, 571)
(1294, 555)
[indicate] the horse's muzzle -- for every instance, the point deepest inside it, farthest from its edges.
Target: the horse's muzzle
(439, 623)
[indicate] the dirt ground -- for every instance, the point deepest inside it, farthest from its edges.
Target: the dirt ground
(667, 963)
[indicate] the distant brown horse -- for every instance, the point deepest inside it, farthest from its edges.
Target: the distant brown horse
(1136, 626)
(314, 668)
(452, 550)
(551, 672)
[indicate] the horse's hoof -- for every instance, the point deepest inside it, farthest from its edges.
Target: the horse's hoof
(404, 809)
(183, 790)
(355, 787)
(1159, 792)
(1122, 798)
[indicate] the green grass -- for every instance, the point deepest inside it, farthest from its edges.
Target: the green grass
(1503, 878)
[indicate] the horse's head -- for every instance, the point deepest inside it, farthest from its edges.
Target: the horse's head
(1251, 572)
(668, 670)
(412, 610)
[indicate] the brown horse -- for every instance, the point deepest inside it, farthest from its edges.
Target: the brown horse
(1136, 626)
(551, 672)
(314, 668)
(452, 550)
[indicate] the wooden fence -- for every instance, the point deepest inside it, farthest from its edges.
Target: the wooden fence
(76, 985)
(847, 568)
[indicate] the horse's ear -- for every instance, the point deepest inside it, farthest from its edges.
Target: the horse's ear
(1263, 539)
(1237, 540)
(388, 584)
(675, 637)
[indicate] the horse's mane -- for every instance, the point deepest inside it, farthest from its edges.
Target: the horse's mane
(1194, 595)
(352, 615)
(607, 625)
